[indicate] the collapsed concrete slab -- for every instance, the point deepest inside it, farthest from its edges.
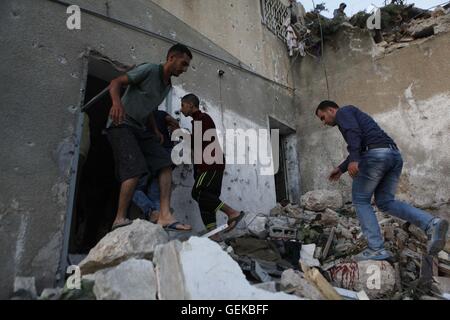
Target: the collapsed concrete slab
(318, 200)
(200, 269)
(131, 280)
(137, 240)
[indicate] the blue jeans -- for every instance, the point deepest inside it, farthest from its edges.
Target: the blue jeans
(379, 172)
(147, 197)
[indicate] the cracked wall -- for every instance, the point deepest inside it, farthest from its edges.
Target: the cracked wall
(407, 93)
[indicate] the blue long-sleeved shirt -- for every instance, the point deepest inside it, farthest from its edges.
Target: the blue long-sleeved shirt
(359, 130)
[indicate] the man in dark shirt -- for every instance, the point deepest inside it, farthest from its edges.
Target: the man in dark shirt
(207, 174)
(375, 164)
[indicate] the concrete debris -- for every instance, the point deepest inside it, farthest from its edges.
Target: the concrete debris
(258, 227)
(318, 200)
(137, 240)
(24, 288)
(293, 281)
(271, 286)
(131, 280)
(205, 272)
(261, 259)
(307, 255)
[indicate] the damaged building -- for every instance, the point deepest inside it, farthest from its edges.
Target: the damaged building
(58, 194)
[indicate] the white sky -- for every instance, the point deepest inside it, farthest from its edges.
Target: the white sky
(353, 6)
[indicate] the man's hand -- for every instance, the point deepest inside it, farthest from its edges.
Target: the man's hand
(160, 136)
(335, 174)
(117, 113)
(353, 169)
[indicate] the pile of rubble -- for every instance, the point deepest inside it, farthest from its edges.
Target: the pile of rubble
(408, 31)
(401, 25)
(294, 252)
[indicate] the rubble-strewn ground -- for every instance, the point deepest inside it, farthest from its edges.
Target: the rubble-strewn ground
(261, 259)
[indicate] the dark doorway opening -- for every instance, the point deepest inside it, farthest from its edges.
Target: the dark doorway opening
(97, 189)
(283, 177)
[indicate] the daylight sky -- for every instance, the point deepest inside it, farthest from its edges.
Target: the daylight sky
(353, 6)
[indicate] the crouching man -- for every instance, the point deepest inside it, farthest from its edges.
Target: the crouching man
(375, 164)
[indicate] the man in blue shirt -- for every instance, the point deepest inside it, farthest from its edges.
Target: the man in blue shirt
(375, 164)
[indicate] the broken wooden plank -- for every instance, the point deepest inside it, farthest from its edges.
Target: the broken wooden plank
(328, 245)
(316, 279)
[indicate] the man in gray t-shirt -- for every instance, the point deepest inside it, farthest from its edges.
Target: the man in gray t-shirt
(138, 151)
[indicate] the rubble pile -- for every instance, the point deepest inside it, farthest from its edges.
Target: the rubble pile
(400, 25)
(295, 251)
(324, 233)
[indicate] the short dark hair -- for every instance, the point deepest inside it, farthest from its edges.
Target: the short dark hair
(179, 48)
(325, 104)
(191, 98)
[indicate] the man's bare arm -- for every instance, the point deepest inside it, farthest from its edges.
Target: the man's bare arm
(117, 112)
(172, 123)
(153, 127)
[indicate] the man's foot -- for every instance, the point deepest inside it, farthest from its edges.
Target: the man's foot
(121, 223)
(233, 221)
(436, 233)
(153, 216)
(370, 254)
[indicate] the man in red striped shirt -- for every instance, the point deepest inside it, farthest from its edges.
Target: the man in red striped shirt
(208, 173)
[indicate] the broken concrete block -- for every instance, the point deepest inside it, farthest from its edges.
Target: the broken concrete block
(319, 200)
(307, 255)
(294, 281)
(51, 294)
(278, 210)
(270, 286)
(169, 272)
(293, 211)
(257, 227)
(376, 278)
(441, 285)
(202, 270)
(24, 288)
(329, 217)
(137, 240)
(131, 280)
(418, 233)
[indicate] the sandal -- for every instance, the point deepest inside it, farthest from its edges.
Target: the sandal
(236, 220)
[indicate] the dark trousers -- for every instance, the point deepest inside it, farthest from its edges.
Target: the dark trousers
(206, 191)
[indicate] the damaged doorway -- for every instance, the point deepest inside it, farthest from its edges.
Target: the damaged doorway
(287, 179)
(96, 191)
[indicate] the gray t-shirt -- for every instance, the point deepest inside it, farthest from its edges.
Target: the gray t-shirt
(144, 94)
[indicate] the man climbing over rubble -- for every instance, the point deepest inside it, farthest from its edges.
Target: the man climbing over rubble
(147, 194)
(208, 176)
(375, 164)
(137, 150)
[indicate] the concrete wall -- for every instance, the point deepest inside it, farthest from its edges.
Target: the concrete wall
(45, 76)
(236, 26)
(407, 93)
